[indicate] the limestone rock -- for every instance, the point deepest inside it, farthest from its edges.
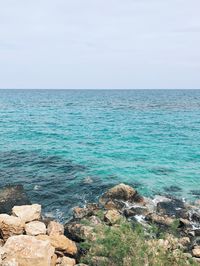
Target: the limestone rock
(27, 250)
(65, 261)
(196, 251)
(35, 228)
(55, 228)
(10, 225)
(112, 216)
(27, 213)
(160, 219)
(60, 243)
(121, 192)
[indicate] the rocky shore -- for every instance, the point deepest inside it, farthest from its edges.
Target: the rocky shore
(123, 228)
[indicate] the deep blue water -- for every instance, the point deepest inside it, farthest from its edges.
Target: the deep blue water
(67, 147)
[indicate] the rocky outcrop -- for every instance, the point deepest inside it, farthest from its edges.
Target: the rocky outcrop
(27, 213)
(27, 250)
(121, 192)
(10, 226)
(35, 228)
(79, 232)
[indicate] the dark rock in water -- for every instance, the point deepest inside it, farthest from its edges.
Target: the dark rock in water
(174, 208)
(195, 192)
(172, 189)
(11, 196)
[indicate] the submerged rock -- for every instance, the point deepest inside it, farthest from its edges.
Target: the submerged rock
(27, 250)
(27, 213)
(11, 196)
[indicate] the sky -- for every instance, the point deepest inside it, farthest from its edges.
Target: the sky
(100, 44)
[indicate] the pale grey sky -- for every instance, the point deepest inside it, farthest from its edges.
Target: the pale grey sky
(100, 44)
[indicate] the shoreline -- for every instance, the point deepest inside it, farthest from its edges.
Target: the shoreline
(165, 222)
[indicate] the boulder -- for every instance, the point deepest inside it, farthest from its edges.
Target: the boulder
(11, 196)
(10, 226)
(27, 250)
(112, 216)
(60, 243)
(160, 219)
(196, 251)
(66, 261)
(55, 228)
(79, 232)
(27, 213)
(121, 192)
(35, 228)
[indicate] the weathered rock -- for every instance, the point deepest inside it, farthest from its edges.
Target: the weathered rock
(66, 261)
(60, 243)
(11, 196)
(79, 232)
(27, 213)
(79, 213)
(196, 251)
(54, 260)
(55, 228)
(10, 226)
(27, 250)
(9, 262)
(112, 216)
(163, 220)
(35, 228)
(121, 192)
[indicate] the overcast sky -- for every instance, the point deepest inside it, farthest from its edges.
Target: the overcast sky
(122, 44)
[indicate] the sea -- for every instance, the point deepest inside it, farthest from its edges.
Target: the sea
(66, 147)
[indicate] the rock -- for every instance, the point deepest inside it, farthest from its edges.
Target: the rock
(35, 228)
(89, 210)
(54, 260)
(112, 216)
(172, 208)
(10, 262)
(11, 196)
(27, 213)
(10, 226)
(94, 220)
(196, 251)
(184, 241)
(55, 228)
(163, 220)
(60, 243)
(66, 261)
(28, 251)
(79, 213)
(79, 232)
(121, 192)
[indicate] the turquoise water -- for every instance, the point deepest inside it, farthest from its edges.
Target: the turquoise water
(67, 147)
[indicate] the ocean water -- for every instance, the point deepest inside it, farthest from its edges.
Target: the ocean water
(67, 147)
